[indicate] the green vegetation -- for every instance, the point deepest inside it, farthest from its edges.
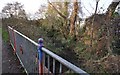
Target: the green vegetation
(5, 35)
(88, 47)
(54, 40)
(0, 30)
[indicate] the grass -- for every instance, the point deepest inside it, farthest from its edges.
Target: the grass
(4, 35)
(0, 30)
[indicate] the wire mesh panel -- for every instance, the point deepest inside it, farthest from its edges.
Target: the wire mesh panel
(25, 50)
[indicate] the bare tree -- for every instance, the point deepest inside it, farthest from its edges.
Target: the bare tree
(60, 13)
(41, 11)
(7, 10)
(97, 1)
(111, 8)
(73, 16)
(14, 10)
(109, 13)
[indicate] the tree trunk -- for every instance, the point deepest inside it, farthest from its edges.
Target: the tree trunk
(109, 14)
(111, 8)
(93, 24)
(64, 14)
(66, 20)
(73, 18)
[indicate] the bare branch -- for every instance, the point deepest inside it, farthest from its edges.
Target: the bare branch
(87, 10)
(93, 23)
(57, 10)
(112, 8)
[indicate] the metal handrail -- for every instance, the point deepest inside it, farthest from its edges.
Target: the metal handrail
(54, 56)
(64, 62)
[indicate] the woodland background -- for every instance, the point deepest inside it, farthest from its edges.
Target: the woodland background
(92, 44)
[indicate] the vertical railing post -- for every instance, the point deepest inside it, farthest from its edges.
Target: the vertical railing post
(14, 41)
(40, 55)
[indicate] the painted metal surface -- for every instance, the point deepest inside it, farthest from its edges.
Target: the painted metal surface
(37, 59)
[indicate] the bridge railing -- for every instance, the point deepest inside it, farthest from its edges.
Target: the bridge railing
(39, 60)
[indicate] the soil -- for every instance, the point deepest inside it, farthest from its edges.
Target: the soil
(10, 62)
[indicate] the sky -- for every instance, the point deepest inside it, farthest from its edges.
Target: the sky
(31, 6)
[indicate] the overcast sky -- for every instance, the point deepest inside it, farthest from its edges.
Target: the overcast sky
(31, 6)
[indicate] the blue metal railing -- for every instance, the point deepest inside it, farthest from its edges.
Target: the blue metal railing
(47, 59)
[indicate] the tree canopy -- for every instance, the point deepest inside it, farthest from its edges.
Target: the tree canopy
(14, 10)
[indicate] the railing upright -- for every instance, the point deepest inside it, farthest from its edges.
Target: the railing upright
(40, 54)
(44, 56)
